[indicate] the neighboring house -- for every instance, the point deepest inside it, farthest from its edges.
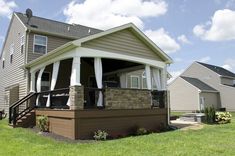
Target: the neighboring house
(202, 85)
(78, 76)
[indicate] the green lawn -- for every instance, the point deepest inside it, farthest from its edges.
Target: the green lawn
(211, 140)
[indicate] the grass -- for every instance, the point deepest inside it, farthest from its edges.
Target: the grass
(211, 140)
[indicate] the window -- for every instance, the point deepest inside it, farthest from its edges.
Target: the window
(135, 82)
(45, 81)
(3, 63)
(11, 52)
(22, 44)
(40, 44)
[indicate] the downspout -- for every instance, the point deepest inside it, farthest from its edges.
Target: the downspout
(26, 59)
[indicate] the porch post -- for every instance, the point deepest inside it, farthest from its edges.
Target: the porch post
(39, 81)
(164, 78)
(75, 75)
(55, 72)
(148, 77)
(32, 81)
(76, 91)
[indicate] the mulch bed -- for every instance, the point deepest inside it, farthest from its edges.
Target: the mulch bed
(59, 137)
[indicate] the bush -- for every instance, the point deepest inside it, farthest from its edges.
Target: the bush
(223, 117)
(141, 131)
(210, 114)
(43, 123)
(100, 135)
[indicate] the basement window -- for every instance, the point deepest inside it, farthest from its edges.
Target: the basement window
(40, 44)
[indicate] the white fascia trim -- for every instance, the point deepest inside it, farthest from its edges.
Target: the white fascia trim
(87, 52)
(20, 21)
(122, 27)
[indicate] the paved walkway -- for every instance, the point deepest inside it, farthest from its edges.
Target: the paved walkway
(186, 125)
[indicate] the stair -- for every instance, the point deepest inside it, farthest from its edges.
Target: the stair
(28, 120)
(25, 117)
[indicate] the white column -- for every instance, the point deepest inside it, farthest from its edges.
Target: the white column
(148, 77)
(75, 75)
(55, 72)
(39, 81)
(98, 77)
(32, 82)
(164, 78)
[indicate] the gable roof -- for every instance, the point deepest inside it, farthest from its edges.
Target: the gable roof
(136, 31)
(78, 42)
(219, 70)
(198, 83)
(44, 25)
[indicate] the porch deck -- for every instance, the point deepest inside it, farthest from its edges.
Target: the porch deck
(81, 124)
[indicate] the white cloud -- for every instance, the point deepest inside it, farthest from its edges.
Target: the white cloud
(111, 13)
(163, 40)
(183, 39)
(221, 27)
(177, 59)
(175, 74)
(229, 64)
(7, 8)
(205, 59)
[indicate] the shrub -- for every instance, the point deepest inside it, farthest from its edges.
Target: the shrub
(223, 117)
(210, 114)
(43, 123)
(141, 131)
(100, 135)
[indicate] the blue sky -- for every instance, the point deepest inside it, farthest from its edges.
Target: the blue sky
(187, 30)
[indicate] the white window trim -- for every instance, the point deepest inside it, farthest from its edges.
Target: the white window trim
(3, 63)
(132, 76)
(22, 42)
(12, 49)
(39, 44)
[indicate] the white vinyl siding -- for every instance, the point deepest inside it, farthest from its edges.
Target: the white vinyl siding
(135, 82)
(40, 44)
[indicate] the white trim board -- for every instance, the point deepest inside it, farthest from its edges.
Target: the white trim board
(86, 52)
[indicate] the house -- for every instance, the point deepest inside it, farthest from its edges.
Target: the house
(77, 76)
(202, 85)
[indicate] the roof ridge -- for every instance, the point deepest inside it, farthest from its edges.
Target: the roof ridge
(60, 21)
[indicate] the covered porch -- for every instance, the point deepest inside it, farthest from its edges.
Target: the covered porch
(90, 83)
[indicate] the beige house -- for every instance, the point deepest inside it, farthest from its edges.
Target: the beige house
(82, 78)
(202, 85)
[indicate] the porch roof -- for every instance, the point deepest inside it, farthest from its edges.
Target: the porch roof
(78, 42)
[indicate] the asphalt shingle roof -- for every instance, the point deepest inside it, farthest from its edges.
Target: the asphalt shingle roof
(198, 83)
(55, 27)
(219, 70)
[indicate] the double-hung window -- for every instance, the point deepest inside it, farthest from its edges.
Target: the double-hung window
(135, 83)
(12, 49)
(40, 44)
(22, 41)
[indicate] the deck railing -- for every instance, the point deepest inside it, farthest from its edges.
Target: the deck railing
(159, 98)
(91, 96)
(58, 98)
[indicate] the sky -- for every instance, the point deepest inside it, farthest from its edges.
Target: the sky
(187, 30)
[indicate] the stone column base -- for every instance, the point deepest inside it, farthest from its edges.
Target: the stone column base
(76, 96)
